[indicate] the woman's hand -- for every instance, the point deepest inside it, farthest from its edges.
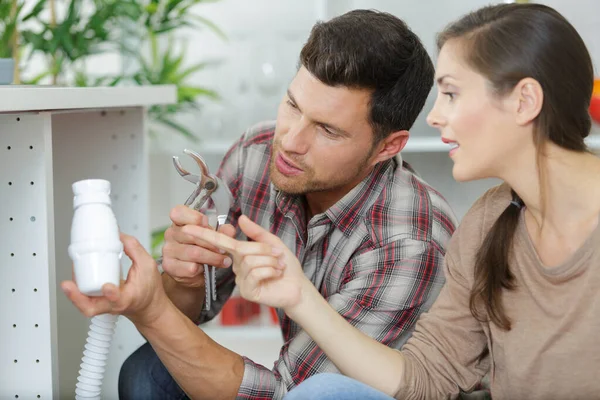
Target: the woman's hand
(267, 272)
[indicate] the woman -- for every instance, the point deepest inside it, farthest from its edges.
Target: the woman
(521, 299)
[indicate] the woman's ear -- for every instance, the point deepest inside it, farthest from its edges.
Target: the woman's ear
(529, 99)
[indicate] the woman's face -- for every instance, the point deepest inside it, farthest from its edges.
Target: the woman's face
(478, 125)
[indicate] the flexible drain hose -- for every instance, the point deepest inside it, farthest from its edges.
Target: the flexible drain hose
(93, 362)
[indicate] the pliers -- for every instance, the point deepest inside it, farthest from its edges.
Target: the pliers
(207, 186)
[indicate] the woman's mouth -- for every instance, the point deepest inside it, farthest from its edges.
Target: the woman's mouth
(454, 146)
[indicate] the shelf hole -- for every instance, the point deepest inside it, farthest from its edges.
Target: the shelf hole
(32, 219)
(10, 219)
(37, 361)
(8, 148)
(30, 147)
(35, 289)
(31, 183)
(36, 325)
(12, 254)
(13, 290)
(14, 325)
(9, 183)
(15, 361)
(103, 113)
(34, 254)
(18, 119)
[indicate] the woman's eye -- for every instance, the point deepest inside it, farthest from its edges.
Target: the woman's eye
(449, 94)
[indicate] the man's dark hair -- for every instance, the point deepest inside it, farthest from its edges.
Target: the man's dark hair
(367, 49)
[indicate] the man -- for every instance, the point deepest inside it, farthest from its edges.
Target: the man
(328, 180)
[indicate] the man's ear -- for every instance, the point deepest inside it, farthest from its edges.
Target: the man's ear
(528, 98)
(390, 146)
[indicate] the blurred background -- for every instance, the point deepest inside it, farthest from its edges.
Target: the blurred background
(232, 61)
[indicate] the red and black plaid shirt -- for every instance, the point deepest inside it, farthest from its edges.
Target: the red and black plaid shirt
(376, 255)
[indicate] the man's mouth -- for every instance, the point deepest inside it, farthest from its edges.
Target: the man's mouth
(285, 166)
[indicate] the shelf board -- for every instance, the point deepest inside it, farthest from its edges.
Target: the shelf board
(23, 98)
(431, 144)
(414, 145)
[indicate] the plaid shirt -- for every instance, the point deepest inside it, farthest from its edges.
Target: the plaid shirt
(376, 255)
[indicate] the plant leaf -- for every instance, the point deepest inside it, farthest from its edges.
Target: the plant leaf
(211, 25)
(177, 127)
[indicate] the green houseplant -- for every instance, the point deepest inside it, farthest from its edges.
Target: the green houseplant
(122, 26)
(144, 32)
(9, 15)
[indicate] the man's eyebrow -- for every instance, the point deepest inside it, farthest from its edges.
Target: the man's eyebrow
(333, 128)
(323, 124)
(292, 98)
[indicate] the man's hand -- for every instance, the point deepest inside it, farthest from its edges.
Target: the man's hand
(184, 256)
(267, 272)
(141, 297)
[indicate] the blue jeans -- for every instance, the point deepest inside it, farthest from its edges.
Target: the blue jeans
(144, 377)
(328, 386)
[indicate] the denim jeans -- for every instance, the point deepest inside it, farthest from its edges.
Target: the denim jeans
(328, 386)
(144, 377)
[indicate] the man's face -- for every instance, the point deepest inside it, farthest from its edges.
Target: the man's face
(323, 141)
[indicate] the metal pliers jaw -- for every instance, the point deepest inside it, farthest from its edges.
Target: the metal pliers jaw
(204, 182)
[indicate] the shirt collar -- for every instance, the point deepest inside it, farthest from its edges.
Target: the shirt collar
(347, 212)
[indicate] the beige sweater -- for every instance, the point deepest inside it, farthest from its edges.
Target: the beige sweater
(553, 349)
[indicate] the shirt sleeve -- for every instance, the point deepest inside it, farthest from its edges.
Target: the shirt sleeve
(384, 292)
(448, 351)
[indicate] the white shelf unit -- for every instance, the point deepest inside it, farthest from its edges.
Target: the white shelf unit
(51, 137)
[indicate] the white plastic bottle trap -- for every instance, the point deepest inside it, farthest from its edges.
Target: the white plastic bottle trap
(96, 251)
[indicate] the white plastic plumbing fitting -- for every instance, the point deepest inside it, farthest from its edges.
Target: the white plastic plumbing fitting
(96, 251)
(95, 246)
